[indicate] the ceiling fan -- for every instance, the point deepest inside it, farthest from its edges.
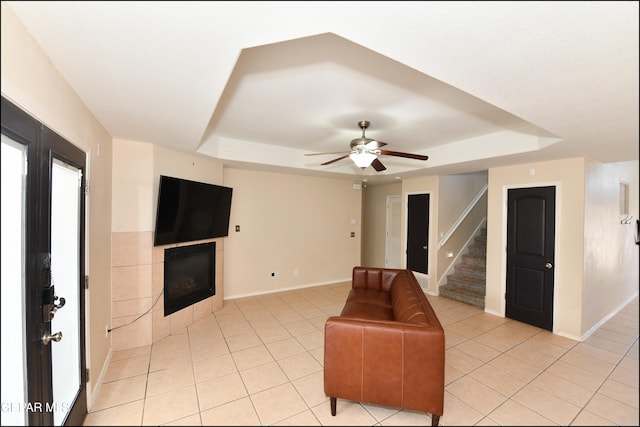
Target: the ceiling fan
(365, 151)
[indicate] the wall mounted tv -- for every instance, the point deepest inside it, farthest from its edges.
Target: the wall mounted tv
(190, 210)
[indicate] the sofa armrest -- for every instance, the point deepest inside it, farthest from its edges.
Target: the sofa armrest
(386, 362)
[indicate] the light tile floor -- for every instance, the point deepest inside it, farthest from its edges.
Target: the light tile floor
(259, 361)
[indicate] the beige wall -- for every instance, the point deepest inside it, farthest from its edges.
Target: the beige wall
(374, 222)
(456, 192)
(297, 226)
(133, 190)
(30, 81)
(610, 253)
(588, 285)
(136, 176)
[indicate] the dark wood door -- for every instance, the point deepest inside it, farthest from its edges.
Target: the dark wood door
(54, 316)
(530, 255)
(418, 233)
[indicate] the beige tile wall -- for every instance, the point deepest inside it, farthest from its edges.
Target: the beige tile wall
(137, 282)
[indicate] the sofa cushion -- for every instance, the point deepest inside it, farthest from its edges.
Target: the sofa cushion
(370, 296)
(364, 311)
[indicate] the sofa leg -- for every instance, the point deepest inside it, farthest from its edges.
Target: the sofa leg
(435, 419)
(333, 405)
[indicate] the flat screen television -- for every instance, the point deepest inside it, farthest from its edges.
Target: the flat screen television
(190, 210)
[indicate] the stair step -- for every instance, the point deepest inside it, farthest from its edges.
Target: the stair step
(471, 270)
(463, 295)
(465, 282)
(474, 260)
(477, 250)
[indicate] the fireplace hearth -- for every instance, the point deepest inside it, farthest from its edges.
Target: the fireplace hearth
(189, 275)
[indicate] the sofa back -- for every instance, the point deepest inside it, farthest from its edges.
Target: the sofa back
(408, 301)
(377, 279)
(405, 303)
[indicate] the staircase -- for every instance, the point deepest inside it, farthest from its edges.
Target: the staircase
(467, 284)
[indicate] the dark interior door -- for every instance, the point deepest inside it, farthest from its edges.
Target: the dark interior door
(55, 379)
(530, 255)
(418, 233)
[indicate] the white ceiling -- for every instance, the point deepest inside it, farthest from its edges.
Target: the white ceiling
(472, 85)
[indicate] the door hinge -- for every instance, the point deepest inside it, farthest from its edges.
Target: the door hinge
(87, 371)
(86, 282)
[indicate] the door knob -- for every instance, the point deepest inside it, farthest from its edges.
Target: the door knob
(548, 266)
(46, 338)
(424, 247)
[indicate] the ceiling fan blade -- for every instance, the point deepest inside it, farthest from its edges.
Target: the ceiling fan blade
(407, 155)
(328, 152)
(377, 165)
(375, 145)
(335, 160)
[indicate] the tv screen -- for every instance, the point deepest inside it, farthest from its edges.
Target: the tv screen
(190, 210)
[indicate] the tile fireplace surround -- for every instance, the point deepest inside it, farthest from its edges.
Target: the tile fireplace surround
(137, 276)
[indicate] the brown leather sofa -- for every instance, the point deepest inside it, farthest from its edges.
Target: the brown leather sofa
(387, 346)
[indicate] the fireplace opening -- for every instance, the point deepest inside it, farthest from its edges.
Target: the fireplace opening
(189, 275)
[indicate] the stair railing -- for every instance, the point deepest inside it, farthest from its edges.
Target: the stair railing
(462, 216)
(461, 219)
(454, 261)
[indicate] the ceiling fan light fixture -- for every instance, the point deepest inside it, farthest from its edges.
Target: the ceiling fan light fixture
(362, 159)
(365, 151)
